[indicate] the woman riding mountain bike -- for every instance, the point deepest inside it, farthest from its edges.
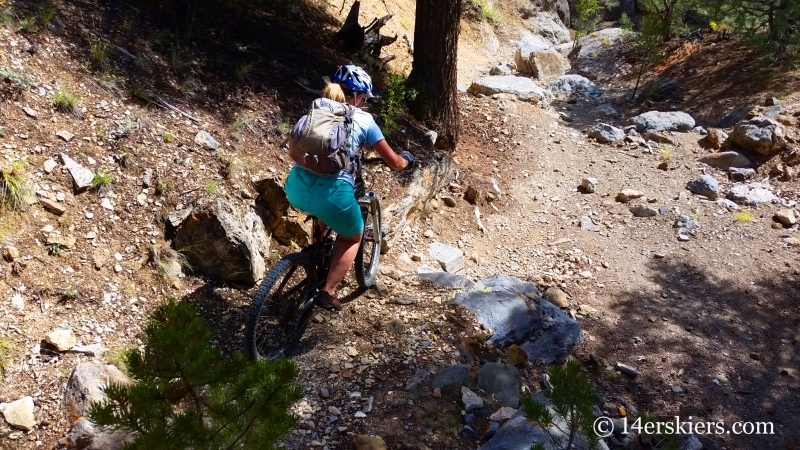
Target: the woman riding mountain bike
(330, 197)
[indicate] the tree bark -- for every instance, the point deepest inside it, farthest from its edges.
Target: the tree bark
(433, 72)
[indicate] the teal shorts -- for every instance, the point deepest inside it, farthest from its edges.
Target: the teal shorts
(329, 199)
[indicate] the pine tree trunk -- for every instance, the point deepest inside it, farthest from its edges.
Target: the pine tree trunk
(433, 72)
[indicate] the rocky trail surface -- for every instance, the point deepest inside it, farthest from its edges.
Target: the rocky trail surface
(656, 243)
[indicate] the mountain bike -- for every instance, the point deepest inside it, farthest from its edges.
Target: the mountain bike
(285, 300)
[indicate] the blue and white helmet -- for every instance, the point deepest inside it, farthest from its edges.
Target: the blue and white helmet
(355, 77)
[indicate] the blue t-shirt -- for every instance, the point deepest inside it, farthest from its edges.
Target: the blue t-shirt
(365, 130)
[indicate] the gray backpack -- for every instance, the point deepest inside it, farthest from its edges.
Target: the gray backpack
(320, 140)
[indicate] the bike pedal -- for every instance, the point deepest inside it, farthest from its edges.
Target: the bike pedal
(327, 307)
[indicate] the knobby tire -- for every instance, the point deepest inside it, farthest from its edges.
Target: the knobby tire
(275, 321)
(366, 267)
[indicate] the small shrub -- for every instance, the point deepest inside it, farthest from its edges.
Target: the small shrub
(667, 154)
(743, 216)
(168, 138)
(178, 61)
(55, 249)
(100, 52)
(47, 14)
(29, 25)
(394, 97)
(245, 120)
(101, 182)
(233, 166)
(65, 101)
(164, 187)
(110, 81)
(143, 92)
(7, 16)
(69, 292)
(212, 187)
(211, 400)
(14, 188)
(65, 221)
(245, 71)
(7, 350)
(625, 22)
(191, 86)
(163, 257)
(486, 11)
(13, 83)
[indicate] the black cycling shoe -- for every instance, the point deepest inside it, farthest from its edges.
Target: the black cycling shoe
(328, 301)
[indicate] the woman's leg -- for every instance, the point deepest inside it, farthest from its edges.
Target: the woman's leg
(344, 253)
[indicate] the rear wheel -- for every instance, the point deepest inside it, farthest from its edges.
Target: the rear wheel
(276, 319)
(369, 251)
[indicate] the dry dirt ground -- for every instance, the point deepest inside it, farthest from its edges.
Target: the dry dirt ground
(716, 316)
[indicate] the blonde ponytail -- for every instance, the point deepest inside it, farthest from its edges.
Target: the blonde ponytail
(334, 92)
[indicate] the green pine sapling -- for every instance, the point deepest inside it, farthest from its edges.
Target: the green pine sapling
(189, 395)
(572, 397)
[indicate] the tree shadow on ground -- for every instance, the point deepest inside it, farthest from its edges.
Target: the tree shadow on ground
(211, 53)
(741, 333)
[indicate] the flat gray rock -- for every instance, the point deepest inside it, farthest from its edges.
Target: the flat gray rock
(501, 384)
(653, 121)
(516, 312)
(205, 139)
(524, 88)
(454, 375)
(451, 258)
(470, 399)
(81, 176)
(735, 116)
(754, 194)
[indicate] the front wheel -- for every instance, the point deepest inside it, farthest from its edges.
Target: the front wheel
(277, 317)
(369, 251)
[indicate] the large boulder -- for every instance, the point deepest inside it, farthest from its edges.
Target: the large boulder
(549, 26)
(572, 84)
(86, 385)
(523, 88)
(653, 121)
(281, 221)
(221, 243)
(598, 55)
(518, 314)
(544, 65)
(760, 134)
